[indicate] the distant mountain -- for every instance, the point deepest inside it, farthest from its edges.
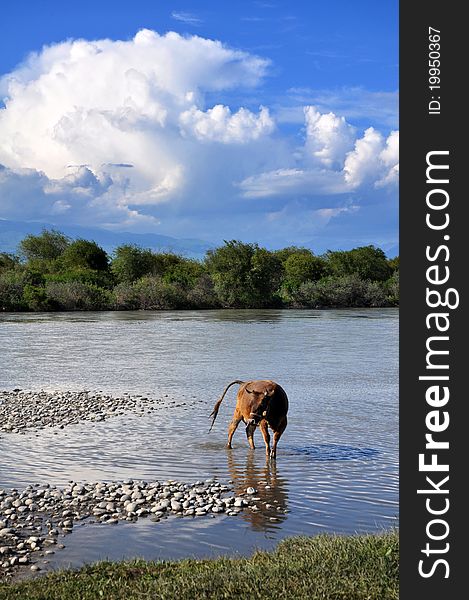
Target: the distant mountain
(12, 232)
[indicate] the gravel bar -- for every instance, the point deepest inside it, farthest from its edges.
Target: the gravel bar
(34, 520)
(21, 410)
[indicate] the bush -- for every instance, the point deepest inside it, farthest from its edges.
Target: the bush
(392, 289)
(184, 273)
(125, 297)
(244, 275)
(8, 262)
(11, 294)
(47, 246)
(152, 293)
(300, 267)
(60, 274)
(101, 279)
(202, 294)
(75, 295)
(367, 262)
(18, 289)
(130, 263)
(337, 292)
(36, 299)
(83, 254)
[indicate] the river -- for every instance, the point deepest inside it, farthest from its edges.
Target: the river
(337, 464)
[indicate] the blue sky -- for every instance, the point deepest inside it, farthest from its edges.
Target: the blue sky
(277, 123)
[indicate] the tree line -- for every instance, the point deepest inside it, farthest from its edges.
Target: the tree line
(53, 272)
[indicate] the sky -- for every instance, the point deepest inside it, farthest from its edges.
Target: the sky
(266, 121)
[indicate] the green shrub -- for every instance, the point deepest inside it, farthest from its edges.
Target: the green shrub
(84, 254)
(11, 294)
(334, 292)
(392, 289)
(102, 279)
(8, 262)
(130, 263)
(36, 299)
(153, 293)
(202, 294)
(367, 262)
(184, 273)
(75, 295)
(125, 297)
(244, 275)
(47, 246)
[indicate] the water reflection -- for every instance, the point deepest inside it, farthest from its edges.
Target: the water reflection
(272, 489)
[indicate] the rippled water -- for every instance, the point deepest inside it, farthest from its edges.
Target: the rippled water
(337, 465)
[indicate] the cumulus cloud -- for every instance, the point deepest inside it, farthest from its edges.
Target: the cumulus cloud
(219, 124)
(123, 134)
(109, 101)
(373, 159)
(329, 137)
(389, 157)
(81, 197)
(335, 161)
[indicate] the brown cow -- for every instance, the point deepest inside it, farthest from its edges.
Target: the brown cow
(262, 403)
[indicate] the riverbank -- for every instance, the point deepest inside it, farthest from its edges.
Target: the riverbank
(310, 568)
(55, 273)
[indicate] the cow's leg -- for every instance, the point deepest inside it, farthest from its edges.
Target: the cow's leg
(235, 421)
(250, 429)
(265, 434)
(277, 435)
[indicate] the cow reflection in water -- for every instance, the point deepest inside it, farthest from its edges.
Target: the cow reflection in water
(271, 490)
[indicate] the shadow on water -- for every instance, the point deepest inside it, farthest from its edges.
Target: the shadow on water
(326, 452)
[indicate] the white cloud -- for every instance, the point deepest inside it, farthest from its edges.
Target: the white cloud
(389, 156)
(334, 161)
(373, 160)
(329, 137)
(219, 124)
(134, 117)
(110, 101)
(81, 198)
(363, 162)
(287, 182)
(186, 17)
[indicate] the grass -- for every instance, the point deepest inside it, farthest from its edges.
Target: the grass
(324, 567)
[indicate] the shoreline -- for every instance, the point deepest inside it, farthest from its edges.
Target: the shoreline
(35, 521)
(323, 567)
(199, 309)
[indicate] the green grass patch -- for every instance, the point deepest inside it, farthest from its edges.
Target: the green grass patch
(325, 567)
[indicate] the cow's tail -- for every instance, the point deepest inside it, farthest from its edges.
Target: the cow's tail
(214, 412)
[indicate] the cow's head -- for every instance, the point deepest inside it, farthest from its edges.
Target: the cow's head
(260, 401)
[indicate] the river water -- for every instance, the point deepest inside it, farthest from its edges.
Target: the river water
(337, 464)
